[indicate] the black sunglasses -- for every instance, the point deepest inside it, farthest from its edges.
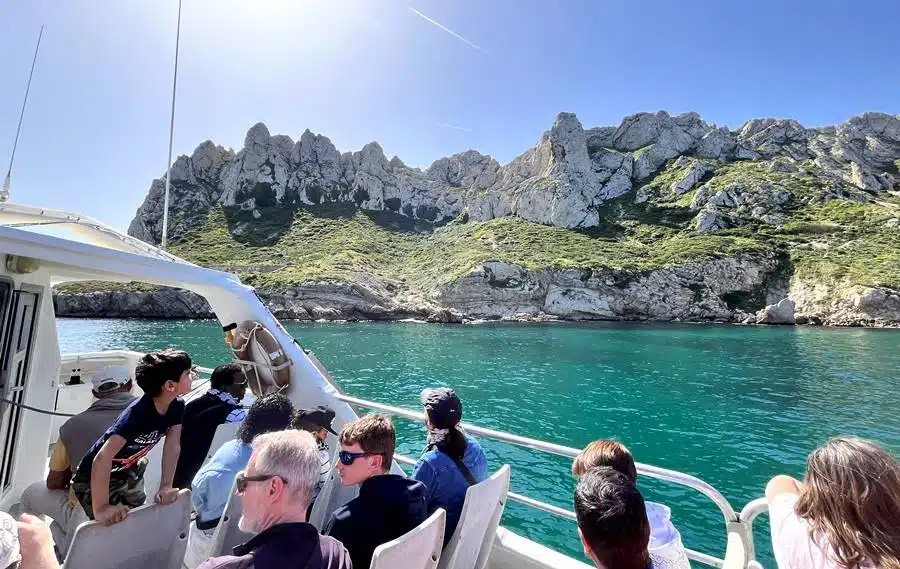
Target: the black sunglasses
(242, 480)
(347, 458)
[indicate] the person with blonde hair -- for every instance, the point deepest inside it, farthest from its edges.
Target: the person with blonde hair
(845, 514)
(665, 544)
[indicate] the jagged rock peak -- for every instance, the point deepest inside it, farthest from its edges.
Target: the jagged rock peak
(560, 181)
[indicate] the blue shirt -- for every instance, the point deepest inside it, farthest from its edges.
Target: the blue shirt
(211, 487)
(445, 485)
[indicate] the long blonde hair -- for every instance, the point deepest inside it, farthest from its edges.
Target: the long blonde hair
(851, 497)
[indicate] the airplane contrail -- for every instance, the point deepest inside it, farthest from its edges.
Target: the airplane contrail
(462, 128)
(446, 29)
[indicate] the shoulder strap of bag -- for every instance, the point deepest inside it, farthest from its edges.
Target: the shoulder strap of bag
(463, 469)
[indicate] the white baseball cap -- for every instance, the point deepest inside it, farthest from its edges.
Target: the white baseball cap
(9, 540)
(109, 378)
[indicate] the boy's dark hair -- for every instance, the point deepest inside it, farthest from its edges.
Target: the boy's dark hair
(269, 413)
(156, 368)
(224, 375)
(375, 435)
(612, 518)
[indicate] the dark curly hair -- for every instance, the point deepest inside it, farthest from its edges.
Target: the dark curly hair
(270, 412)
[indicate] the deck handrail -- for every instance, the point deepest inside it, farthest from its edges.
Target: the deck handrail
(569, 514)
(649, 470)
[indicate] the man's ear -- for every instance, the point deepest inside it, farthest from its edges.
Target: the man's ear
(170, 385)
(276, 488)
(584, 544)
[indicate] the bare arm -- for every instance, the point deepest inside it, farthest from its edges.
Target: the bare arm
(101, 469)
(60, 471)
(782, 484)
(171, 450)
(36, 544)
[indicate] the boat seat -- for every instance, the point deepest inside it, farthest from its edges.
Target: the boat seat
(224, 432)
(227, 534)
(419, 548)
(470, 546)
(151, 536)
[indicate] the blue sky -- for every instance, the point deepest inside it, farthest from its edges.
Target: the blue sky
(96, 129)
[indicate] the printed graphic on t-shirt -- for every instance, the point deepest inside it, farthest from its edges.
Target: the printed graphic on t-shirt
(141, 425)
(139, 448)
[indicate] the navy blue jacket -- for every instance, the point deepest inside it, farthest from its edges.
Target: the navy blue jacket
(388, 506)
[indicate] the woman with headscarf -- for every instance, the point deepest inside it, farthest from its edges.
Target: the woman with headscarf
(451, 461)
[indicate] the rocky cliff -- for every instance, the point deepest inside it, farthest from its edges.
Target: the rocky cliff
(561, 181)
(734, 222)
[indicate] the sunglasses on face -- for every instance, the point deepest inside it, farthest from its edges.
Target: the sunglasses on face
(347, 458)
(242, 480)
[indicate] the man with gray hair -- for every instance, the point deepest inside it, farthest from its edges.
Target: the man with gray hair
(276, 488)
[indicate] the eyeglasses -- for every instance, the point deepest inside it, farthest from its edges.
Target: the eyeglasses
(241, 480)
(347, 458)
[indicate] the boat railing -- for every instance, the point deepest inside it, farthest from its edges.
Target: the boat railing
(740, 523)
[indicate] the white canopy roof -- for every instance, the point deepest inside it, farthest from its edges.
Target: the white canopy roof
(75, 247)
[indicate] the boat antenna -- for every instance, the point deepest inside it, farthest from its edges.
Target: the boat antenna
(165, 227)
(4, 191)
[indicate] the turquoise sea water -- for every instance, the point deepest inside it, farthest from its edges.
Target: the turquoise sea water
(731, 405)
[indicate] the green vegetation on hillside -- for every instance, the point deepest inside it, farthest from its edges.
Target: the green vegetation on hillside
(846, 241)
(838, 241)
(337, 243)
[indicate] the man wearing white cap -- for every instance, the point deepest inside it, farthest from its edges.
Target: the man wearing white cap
(111, 385)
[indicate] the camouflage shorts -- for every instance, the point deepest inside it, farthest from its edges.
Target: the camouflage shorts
(125, 487)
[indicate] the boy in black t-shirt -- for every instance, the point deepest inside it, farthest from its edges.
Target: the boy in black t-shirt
(110, 478)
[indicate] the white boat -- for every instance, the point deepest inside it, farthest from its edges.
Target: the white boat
(41, 248)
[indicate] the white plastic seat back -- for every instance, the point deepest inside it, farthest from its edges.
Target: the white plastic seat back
(151, 536)
(470, 546)
(419, 548)
(224, 433)
(227, 534)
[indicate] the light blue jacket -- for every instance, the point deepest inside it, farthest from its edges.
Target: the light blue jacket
(211, 487)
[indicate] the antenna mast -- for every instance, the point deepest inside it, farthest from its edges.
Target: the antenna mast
(165, 229)
(4, 191)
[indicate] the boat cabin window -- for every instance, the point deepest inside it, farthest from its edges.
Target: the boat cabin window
(19, 310)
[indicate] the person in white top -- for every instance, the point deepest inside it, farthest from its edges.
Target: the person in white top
(665, 542)
(845, 514)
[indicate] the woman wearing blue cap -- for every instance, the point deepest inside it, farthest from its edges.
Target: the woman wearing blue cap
(451, 462)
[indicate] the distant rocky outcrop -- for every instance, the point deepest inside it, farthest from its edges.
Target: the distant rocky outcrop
(561, 181)
(764, 191)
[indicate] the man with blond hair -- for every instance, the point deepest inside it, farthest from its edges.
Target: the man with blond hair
(276, 488)
(388, 505)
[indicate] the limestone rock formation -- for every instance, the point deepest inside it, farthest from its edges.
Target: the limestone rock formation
(561, 181)
(781, 312)
(679, 174)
